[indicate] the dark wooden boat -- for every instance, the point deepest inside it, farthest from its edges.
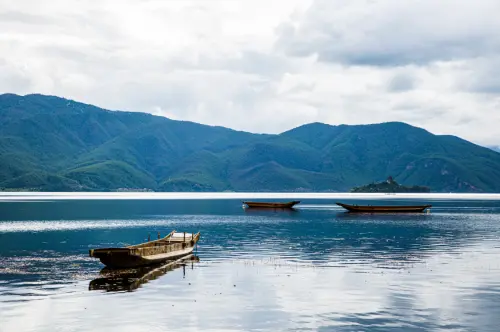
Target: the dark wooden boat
(387, 208)
(173, 246)
(271, 205)
(120, 280)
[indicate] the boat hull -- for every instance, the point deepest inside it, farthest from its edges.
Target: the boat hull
(121, 260)
(170, 248)
(384, 209)
(267, 205)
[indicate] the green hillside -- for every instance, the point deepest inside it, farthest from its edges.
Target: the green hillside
(55, 144)
(362, 154)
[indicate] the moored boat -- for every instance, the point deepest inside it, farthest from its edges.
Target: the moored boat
(384, 208)
(271, 205)
(173, 246)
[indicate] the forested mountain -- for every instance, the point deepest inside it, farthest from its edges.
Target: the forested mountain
(54, 144)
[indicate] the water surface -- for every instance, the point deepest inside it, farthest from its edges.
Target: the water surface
(314, 268)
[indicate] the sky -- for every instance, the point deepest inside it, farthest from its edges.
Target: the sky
(265, 66)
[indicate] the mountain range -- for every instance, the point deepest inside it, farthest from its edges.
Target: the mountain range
(494, 148)
(49, 143)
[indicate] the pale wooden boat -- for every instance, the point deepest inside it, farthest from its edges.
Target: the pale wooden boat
(271, 205)
(173, 246)
(386, 208)
(119, 280)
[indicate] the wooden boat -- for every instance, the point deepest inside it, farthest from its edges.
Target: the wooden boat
(271, 205)
(171, 247)
(387, 208)
(113, 280)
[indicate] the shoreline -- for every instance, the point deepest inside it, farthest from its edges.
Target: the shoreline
(7, 196)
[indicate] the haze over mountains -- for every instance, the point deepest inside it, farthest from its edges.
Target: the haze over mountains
(54, 144)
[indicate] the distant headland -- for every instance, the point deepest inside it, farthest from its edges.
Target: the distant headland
(390, 186)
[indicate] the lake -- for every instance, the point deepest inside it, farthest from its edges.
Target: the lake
(315, 268)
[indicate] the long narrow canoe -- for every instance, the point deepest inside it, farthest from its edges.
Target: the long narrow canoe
(271, 205)
(173, 246)
(382, 208)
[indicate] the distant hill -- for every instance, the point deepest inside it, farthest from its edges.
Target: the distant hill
(389, 186)
(55, 144)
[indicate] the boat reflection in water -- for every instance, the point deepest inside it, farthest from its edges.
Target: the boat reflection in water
(127, 280)
(267, 211)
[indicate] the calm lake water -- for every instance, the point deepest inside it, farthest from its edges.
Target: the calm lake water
(315, 268)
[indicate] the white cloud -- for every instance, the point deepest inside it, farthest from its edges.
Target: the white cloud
(391, 32)
(236, 63)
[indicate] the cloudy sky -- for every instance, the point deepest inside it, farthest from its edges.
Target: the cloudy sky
(433, 64)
